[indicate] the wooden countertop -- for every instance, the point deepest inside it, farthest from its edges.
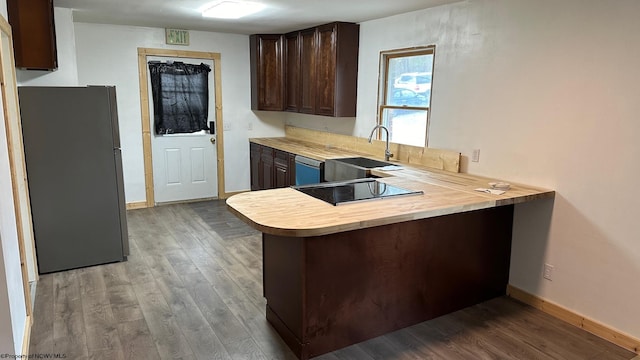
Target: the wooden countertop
(305, 148)
(288, 212)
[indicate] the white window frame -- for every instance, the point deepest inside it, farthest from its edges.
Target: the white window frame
(384, 82)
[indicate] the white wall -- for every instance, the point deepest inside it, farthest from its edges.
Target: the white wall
(548, 91)
(107, 55)
(66, 74)
(341, 125)
(13, 313)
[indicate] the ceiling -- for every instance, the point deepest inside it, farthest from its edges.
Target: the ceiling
(280, 16)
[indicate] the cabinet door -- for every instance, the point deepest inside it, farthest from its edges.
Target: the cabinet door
(281, 175)
(347, 37)
(254, 159)
(292, 72)
(267, 170)
(326, 70)
(308, 71)
(267, 72)
(34, 36)
(281, 168)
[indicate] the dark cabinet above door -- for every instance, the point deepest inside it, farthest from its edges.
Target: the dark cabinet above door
(34, 36)
(320, 70)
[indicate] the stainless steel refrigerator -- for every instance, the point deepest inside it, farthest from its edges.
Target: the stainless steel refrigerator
(74, 171)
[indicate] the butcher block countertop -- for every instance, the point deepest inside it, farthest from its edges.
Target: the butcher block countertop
(288, 212)
(306, 148)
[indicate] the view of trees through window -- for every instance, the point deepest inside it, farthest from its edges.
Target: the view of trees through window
(406, 90)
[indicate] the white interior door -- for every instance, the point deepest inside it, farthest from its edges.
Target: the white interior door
(184, 165)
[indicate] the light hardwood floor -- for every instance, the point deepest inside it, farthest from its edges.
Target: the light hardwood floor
(192, 289)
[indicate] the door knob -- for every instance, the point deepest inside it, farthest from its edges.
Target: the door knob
(213, 140)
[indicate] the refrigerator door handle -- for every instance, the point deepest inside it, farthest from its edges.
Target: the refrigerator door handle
(117, 154)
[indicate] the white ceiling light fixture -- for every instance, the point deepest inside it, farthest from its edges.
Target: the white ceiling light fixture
(229, 9)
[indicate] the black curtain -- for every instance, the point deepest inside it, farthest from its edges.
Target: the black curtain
(180, 96)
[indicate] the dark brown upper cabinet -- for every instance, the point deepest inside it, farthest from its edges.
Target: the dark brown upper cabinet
(307, 86)
(267, 72)
(292, 71)
(34, 35)
(320, 70)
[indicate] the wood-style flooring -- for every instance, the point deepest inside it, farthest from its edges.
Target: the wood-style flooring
(192, 289)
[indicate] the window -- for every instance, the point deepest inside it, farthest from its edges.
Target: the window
(405, 94)
(180, 96)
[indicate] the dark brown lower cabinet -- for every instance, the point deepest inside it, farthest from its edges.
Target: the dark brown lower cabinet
(267, 168)
(254, 156)
(327, 292)
(271, 168)
(284, 168)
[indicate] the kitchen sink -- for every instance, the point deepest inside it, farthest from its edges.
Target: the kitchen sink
(352, 168)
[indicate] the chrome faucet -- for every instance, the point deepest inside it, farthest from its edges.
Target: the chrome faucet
(387, 153)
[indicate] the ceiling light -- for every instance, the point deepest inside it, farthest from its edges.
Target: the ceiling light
(232, 9)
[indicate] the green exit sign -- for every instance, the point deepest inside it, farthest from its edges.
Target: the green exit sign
(177, 37)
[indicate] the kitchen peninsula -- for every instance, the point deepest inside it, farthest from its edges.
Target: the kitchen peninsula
(337, 275)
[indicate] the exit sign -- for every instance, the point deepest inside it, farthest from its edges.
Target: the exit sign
(177, 37)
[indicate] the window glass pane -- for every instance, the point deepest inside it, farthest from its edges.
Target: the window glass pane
(406, 126)
(406, 97)
(180, 96)
(412, 73)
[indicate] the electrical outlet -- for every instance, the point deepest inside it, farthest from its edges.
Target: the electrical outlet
(475, 157)
(226, 126)
(548, 272)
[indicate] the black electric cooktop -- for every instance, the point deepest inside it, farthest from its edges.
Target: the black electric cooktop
(338, 193)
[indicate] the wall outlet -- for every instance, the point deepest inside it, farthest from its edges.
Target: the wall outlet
(548, 272)
(475, 156)
(226, 126)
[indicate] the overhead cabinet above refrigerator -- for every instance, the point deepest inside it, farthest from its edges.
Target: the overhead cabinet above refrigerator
(34, 34)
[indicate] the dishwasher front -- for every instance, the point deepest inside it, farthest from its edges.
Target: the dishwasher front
(309, 171)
